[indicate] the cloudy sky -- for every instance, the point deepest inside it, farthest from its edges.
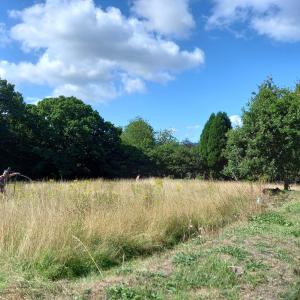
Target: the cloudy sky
(172, 62)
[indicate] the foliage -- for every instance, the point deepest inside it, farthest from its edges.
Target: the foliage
(268, 144)
(14, 131)
(213, 142)
(177, 160)
(216, 144)
(165, 137)
(203, 145)
(64, 138)
(139, 133)
(71, 138)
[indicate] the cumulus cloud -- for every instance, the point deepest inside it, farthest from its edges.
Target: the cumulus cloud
(133, 85)
(168, 17)
(277, 19)
(4, 37)
(236, 121)
(92, 53)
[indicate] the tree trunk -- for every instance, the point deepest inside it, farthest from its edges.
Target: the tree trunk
(286, 185)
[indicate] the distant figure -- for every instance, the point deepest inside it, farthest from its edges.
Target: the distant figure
(137, 178)
(4, 179)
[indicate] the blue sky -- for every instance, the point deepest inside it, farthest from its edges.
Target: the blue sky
(172, 62)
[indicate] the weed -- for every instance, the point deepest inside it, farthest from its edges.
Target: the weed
(283, 255)
(293, 208)
(254, 265)
(236, 252)
(296, 233)
(185, 259)
(271, 218)
(122, 292)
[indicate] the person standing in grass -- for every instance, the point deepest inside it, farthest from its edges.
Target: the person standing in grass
(4, 179)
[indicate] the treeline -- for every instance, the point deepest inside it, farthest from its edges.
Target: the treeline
(64, 138)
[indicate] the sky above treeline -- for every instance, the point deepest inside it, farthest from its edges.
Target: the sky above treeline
(171, 62)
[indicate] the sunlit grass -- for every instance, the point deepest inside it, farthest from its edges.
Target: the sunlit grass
(71, 229)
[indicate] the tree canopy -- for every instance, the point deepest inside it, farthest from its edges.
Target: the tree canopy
(268, 144)
(139, 133)
(65, 138)
(212, 143)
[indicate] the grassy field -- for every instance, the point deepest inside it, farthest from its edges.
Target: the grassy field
(81, 240)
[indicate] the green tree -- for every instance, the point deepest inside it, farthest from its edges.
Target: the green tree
(204, 143)
(139, 133)
(165, 137)
(216, 144)
(13, 128)
(71, 138)
(213, 142)
(268, 143)
(177, 160)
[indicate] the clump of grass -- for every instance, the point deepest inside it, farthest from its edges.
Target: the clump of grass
(113, 221)
(126, 293)
(184, 258)
(271, 218)
(236, 252)
(296, 233)
(293, 292)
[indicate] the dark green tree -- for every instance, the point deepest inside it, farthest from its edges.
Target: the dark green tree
(14, 133)
(268, 144)
(203, 144)
(72, 138)
(213, 142)
(177, 160)
(216, 144)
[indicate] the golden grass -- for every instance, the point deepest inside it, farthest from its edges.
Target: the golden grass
(72, 228)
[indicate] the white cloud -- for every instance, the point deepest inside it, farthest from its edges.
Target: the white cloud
(4, 37)
(277, 19)
(168, 17)
(236, 121)
(133, 85)
(92, 53)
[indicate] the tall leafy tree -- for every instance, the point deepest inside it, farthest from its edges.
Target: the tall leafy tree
(213, 142)
(14, 132)
(203, 144)
(268, 144)
(72, 137)
(217, 143)
(140, 134)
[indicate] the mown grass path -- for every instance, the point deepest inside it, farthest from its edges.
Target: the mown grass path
(257, 259)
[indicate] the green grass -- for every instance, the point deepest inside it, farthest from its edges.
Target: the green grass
(236, 252)
(293, 292)
(254, 259)
(203, 271)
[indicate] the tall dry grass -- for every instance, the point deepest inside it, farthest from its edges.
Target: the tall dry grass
(70, 229)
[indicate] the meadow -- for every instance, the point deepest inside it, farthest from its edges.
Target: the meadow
(58, 230)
